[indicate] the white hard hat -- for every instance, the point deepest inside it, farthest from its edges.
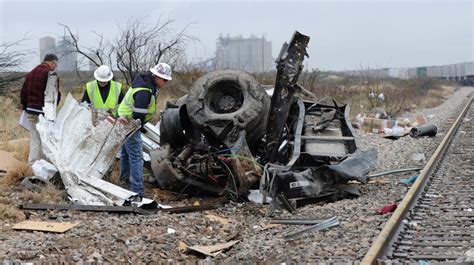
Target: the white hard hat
(103, 73)
(162, 70)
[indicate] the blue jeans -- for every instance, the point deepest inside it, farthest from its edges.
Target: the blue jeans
(131, 163)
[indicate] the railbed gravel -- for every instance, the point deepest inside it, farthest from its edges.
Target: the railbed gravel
(128, 238)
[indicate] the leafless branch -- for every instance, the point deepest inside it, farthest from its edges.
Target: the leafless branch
(137, 47)
(10, 62)
(75, 43)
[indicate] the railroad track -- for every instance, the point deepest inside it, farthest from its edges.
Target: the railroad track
(435, 220)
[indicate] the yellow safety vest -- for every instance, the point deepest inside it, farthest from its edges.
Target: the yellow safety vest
(126, 108)
(98, 103)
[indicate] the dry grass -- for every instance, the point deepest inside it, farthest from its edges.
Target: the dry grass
(442, 93)
(16, 175)
(400, 95)
(9, 116)
(48, 194)
(19, 147)
(10, 212)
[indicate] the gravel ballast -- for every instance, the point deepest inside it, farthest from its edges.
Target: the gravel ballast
(112, 238)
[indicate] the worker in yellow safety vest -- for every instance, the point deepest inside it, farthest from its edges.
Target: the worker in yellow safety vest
(140, 103)
(103, 94)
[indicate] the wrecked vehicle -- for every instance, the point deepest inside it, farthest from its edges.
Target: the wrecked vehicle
(228, 136)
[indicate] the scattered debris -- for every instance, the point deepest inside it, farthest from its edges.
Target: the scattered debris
(379, 181)
(420, 157)
(409, 181)
(44, 170)
(324, 224)
(257, 197)
(393, 171)
(387, 209)
(395, 133)
(216, 218)
(31, 183)
(182, 247)
(376, 125)
(57, 227)
(270, 226)
(390, 128)
(214, 250)
(411, 120)
(429, 130)
(190, 209)
(297, 221)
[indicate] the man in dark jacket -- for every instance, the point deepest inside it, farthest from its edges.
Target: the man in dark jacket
(140, 103)
(32, 99)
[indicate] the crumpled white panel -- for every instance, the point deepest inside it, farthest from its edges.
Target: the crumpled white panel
(83, 153)
(51, 96)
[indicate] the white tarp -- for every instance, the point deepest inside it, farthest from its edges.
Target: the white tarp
(83, 153)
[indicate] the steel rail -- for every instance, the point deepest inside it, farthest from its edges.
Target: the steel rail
(390, 230)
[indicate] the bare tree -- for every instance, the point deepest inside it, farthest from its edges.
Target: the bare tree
(10, 62)
(100, 54)
(137, 47)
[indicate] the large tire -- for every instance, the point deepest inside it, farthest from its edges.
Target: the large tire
(229, 98)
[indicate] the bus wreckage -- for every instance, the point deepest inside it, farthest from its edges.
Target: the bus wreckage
(226, 137)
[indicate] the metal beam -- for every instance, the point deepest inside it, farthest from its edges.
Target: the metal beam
(86, 208)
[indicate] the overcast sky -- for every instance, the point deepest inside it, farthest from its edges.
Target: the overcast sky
(344, 34)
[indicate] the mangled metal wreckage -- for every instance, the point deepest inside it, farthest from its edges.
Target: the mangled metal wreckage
(83, 153)
(228, 136)
(225, 137)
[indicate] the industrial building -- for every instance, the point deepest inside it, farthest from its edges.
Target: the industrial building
(64, 50)
(46, 45)
(252, 54)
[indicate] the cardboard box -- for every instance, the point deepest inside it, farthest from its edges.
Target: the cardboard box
(373, 125)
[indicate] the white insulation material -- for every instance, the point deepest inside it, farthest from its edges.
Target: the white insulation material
(83, 153)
